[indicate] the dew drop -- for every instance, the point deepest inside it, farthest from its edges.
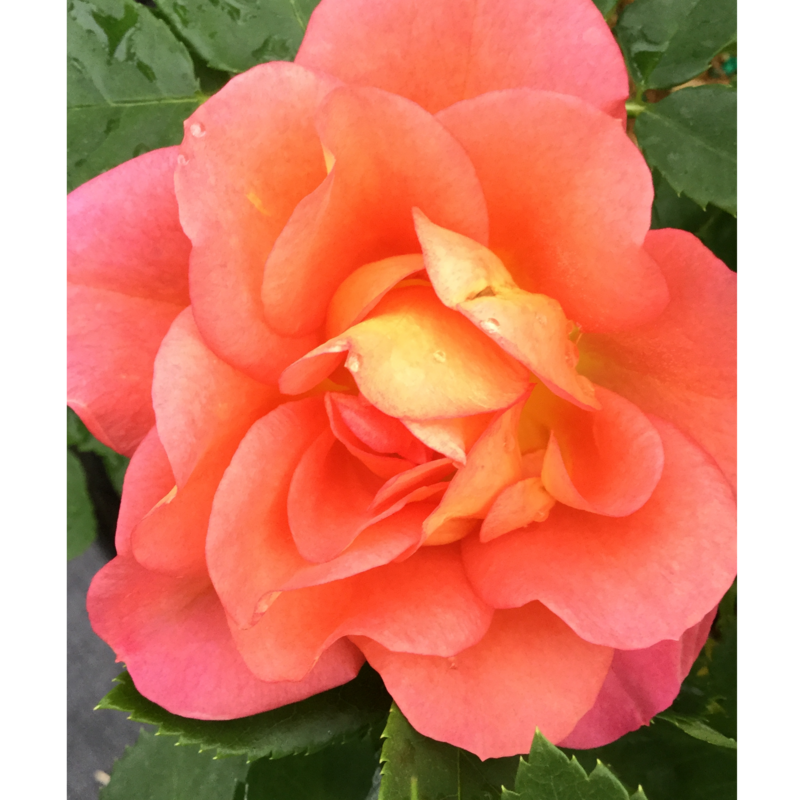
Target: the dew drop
(490, 325)
(540, 319)
(197, 130)
(182, 160)
(353, 363)
(440, 356)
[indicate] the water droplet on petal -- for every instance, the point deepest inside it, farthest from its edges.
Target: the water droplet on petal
(440, 356)
(182, 160)
(353, 363)
(197, 129)
(490, 325)
(540, 319)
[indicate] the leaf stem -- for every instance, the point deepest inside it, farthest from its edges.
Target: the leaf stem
(635, 107)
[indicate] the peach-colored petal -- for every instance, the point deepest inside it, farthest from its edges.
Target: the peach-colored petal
(529, 671)
(639, 685)
(573, 229)
(250, 154)
(128, 274)
(516, 506)
(423, 604)
(363, 289)
(413, 358)
(625, 582)
(172, 635)
(411, 480)
(682, 366)
(439, 53)
(470, 278)
(390, 155)
(453, 438)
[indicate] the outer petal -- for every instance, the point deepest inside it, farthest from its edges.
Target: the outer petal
(128, 268)
(639, 685)
(172, 635)
(624, 582)
(251, 153)
(423, 604)
(439, 53)
(574, 228)
(390, 155)
(530, 670)
(415, 359)
(682, 366)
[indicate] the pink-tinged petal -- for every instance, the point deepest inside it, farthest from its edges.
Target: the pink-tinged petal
(329, 499)
(251, 153)
(202, 404)
(682, 366)
(532, 328)
(529, 671)
(128, 275)
(415, 478)
(440, 53)
(625, 582)
(606, 461)
(390, 155)
(453, 438)
(573, 229)
(516, 506)
(415, 359)
(148, 480)
(424, 605)
(173, 637)
(639, 685)
(363, 289)
(493, 464)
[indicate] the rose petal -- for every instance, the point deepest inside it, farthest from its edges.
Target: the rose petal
(390, 155)
(573, 228)
(172, 635)
(453, 438)
(639, 684)
(251, 154)
(437, 54)
(415, 478)
(529, 671)
(683, 365)
(424, 604)
(127, 270)
(515, 507)
(624, 582)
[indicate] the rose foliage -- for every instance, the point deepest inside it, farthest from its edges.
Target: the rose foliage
(405, 378)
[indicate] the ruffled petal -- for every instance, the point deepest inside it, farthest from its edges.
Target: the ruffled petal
(681, 367)
(128, 275)
(639, 685)
(440, 53)
(453, 438)
(516, 506)
(625, 582)
(573, 229)
(424, 604)
(529, 671)
(250, 154)
(390, 155)
(415, 359)
(173, 637)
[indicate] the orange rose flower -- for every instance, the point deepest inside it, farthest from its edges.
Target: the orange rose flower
(405, 377)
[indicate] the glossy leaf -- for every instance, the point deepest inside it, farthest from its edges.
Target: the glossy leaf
(690, 137)
(81, 521)
(234, 35)
(549, 774)
(154, 768)
(415, 766)
(341, 772)
(130, 85)
(79, 437)
(668, 42)
(335, 716)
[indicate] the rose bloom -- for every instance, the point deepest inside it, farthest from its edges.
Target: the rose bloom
(405, 378)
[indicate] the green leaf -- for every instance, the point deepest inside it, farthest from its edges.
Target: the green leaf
(423, 769)
(337, 715)
(234, 35)
(81, 522)
(549, 774)
(606, 6)
(714, 227)
(697, 728)
(79, 437)
(130, 85)
(155, 769)
(690, 137)
(668, 42)
(340, 772)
